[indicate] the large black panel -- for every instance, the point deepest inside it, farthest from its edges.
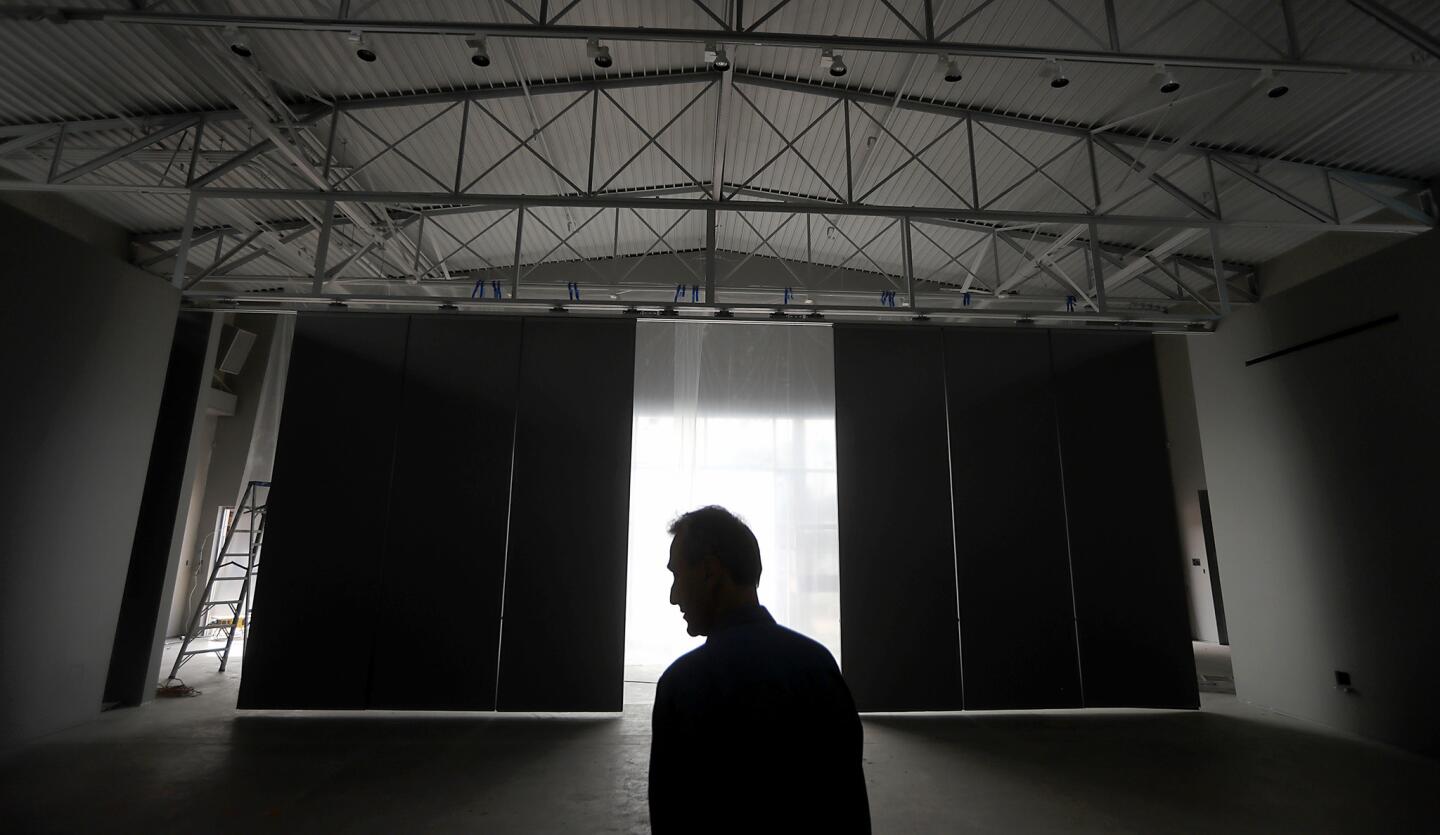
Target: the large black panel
(131, 674)
(318, 592)
(563, 640)
(439, 619)
(1017, 628)
(897, 557)
(1124, 541)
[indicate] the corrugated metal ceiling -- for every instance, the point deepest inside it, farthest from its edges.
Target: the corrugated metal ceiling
(1368, 122)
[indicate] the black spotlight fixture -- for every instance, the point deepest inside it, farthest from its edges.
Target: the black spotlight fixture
(716, 57)
(952, 69)
(599, 53)
(362, 52)
(1277, 91)
(237, 43)
(1051, 70)
(834, 63)
(1164, 80)
(481, 56)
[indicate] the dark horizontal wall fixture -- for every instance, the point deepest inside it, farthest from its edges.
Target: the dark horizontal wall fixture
(563, 640)
(898, 624)
(1012, 562)
(1330, 337)
(1124, 541)
(318, 590)
(393, 511)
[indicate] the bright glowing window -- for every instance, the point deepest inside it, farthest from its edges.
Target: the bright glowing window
(743, 416)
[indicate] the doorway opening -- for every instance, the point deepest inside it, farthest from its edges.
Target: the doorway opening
(742, 416)
(242, 405)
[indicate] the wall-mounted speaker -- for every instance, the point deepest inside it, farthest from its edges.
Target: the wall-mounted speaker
(236, 345)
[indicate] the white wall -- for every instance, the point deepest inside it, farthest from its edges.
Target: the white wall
(1320, 466)
(194, 537)
(84, 344)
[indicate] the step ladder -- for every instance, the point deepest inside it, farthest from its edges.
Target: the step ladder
(240, 550)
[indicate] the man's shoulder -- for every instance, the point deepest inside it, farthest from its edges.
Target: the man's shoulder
(802, 645)
(684, 666)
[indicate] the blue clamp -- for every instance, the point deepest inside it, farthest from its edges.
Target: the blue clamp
(788, 294)
(574, 289)
(1070, 304)
(495, 286)
(695, 293)
(679, 291)
(965, 299)
(479, 288)
(887, 298)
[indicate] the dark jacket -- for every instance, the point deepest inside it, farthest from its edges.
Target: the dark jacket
(756, 731)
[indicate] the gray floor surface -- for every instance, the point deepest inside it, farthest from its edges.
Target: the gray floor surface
(196, 764)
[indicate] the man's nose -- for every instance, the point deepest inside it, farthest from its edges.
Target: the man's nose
(673, 601)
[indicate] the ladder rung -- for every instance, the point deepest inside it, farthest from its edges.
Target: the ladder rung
(202, 651)
(221, 602)
(223, 579)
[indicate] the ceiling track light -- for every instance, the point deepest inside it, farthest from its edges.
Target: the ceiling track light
(1164, 80)
(1277, 91)
(715, 56)
(481, 56)
(834, 63)
(237, 43)
(1051, 70)
(599, 53)
(362, 52)
(951, 64)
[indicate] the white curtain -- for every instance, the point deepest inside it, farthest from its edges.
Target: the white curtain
(743, 416)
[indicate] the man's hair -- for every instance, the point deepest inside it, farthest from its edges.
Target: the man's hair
(715, 531)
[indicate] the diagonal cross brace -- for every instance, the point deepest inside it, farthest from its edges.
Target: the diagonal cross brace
(655, 139)
(789, 144)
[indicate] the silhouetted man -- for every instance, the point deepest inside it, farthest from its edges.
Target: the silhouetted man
(755, 731)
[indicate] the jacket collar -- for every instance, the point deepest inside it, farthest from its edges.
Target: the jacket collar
(742, 616)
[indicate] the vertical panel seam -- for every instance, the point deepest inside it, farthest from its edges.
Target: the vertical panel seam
(954, 536)
(1065, 507)
(509, 506)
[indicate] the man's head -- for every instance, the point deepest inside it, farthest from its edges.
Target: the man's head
(715, 562)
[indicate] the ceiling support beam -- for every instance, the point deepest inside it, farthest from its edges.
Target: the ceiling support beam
(311, 116)
(426, 201)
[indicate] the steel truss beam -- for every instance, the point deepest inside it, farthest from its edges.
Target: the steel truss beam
(1049, 265)
(1109, 140)
(27, 135)
(423, 199)
(371, 210)
(534, 28)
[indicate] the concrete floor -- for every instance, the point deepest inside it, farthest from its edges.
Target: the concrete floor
(196, 764)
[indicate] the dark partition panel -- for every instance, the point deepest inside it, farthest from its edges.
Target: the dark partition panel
(316, 604)
(439, 617)
(1017, 627)
(133, 658)
(897, 558)
(1124, 545)
(563, 639)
